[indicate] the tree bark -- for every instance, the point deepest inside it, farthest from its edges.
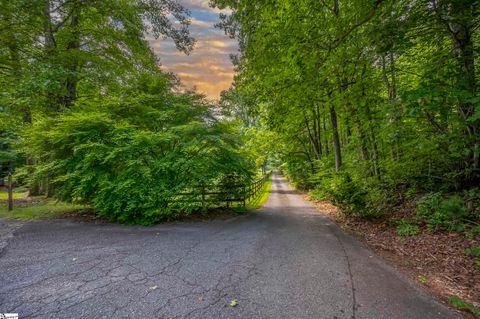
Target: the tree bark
(316, 132)
(336, 139)
(10, 189)
(394, 75)
(362, 136)
(464, 52)
(459, 19)
(327, 151)
(73, 45)
(319, 126)
(311, 139)
(376, 166)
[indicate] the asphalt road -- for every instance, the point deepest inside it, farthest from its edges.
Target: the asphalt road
(283, 261)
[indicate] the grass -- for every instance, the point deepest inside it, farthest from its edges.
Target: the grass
(16, 195)
(41, 210)
(463, 305)
(261, 198)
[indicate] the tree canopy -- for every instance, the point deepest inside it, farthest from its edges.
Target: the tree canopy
(90, 117)
(367, 99)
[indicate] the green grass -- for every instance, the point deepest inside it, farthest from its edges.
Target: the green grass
(259, 200)
(44, 210)
(463, 305)
(16, 195)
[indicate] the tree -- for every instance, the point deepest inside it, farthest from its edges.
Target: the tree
(372, 94)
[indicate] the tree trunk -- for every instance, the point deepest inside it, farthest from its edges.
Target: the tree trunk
(311, 138)
(10, 189)
(376, 166)
(463, 50)
(373, 141)
(390, 89)
(319, 126)
(461, 31)
(73, 45)
(394, 75)
(327, 151)
(316, 133)
(362, 136)
(336, 139)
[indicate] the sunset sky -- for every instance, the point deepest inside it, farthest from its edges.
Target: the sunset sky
(208, 67)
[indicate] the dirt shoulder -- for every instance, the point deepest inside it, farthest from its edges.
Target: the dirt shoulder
(436, 260)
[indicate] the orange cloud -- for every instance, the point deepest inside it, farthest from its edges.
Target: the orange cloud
(208, 67)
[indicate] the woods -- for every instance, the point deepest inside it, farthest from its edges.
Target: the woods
(88, 117)
(366, 103)
(371, 102)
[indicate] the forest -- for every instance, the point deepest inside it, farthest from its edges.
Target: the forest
(369, 104)
(366, 103)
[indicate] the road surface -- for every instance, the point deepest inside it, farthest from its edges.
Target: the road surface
(282, 261)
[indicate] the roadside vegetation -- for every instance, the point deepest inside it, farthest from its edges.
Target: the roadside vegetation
(259, 200)
(372, 106)
(40, 209)
(88, 118)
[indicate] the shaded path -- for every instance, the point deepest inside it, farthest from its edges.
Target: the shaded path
(284, 261)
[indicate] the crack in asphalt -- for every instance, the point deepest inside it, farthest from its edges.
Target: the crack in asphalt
(352, 283)
(284, 261)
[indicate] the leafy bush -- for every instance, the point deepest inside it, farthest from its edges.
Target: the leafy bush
(472, 202)
(406, 228)
(343, 191)
(473, 251)
(440, 212)
(131, 158)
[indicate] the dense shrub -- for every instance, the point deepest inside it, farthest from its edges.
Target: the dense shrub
(343, 191)
(442, 212)
(129, 159)
(407, 228)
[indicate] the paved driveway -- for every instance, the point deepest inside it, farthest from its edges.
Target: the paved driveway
(284, 261)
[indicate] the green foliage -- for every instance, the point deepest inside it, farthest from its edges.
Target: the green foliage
(9, 156)
(472, 202)
(463, 305)
(440, 212)
(130, 167)
(95, 119)
(53, 54)
(407, 228)
(473, 251)
(370, 103)
(422, 279)
(343, 191)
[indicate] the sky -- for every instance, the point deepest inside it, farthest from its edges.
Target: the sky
(208, 67)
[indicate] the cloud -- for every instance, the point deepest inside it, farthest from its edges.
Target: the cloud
(200, 23)
(201, 5)
(208, 67)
